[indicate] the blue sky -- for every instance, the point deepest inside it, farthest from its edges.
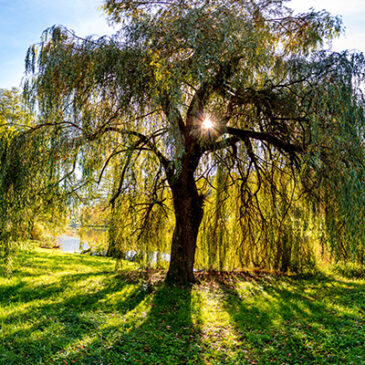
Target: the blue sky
(22, 23)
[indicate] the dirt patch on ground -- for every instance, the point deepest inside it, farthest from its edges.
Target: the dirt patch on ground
(151, 278)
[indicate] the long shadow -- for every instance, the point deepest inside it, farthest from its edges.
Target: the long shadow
(167, 335)
(161, 332)
(53, 327)
(287, 324)
(20, 292)
(44, 262)
(287, 321)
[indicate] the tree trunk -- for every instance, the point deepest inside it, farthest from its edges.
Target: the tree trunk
(114, 249)
(188, 207)
(286, 255)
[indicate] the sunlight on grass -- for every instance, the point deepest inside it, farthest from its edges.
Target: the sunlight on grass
(61, 308)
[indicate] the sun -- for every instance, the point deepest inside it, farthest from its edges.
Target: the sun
(207, 123)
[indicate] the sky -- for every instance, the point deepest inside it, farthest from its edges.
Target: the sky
(23, 21)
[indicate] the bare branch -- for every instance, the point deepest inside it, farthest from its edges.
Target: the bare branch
(147, 140)
(280, 144)
(224, 143)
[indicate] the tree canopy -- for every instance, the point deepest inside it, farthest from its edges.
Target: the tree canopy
(136, 106)
(30, 170)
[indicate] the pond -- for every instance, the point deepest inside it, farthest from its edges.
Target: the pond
(76, 244)
(78, 240)
(72, 244)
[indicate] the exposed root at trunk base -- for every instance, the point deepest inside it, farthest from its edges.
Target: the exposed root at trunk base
(177, 279)
(152, 278)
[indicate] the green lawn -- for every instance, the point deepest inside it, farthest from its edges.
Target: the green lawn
(60, 308)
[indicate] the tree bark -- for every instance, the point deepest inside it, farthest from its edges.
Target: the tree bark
(188, 207)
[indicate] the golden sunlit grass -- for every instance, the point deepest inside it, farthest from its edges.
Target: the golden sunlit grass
(60, 308)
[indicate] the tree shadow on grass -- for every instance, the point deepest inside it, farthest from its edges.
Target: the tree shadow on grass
(41, 262)
(165, 334)
(300, 322)
(21, 292)
(46, 333)
(95, 317)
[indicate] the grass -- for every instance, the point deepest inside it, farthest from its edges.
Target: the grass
(60, 308)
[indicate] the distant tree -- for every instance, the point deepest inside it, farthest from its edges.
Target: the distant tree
(186, 86)
(29, 179)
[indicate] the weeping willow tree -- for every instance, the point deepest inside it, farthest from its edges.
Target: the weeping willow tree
(269, 227)
(186, 88)
(29, 178)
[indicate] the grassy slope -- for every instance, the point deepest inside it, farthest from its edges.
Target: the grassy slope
(61, 308)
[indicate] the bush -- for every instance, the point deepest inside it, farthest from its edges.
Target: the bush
(42, 235)
(349, 270)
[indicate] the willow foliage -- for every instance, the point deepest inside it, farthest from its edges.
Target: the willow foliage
(279, 105)
(30, 169)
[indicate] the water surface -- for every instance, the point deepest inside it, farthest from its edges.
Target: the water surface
(71, 244)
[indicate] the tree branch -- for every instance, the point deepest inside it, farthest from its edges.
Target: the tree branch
(146, 140)
(173, 114)
(280, 144)
(206, 89)
(216, 146)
